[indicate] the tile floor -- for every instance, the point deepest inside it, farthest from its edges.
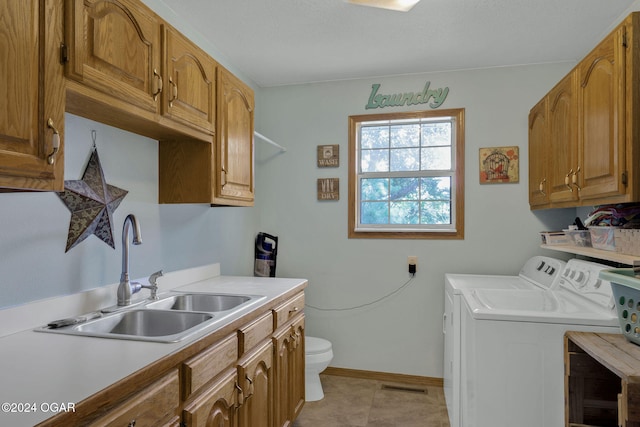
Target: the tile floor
(356, 402)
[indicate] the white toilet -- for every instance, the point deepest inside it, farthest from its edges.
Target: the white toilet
(318, 355)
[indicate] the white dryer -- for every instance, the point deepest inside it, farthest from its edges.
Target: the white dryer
(512, 346)
(539, 272)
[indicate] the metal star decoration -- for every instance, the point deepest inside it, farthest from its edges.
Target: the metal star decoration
(92, 202)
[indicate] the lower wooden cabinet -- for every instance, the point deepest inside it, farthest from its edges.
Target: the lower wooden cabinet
(154, 405)
(255, 375)
(289, 372)
(217, 405)
(252, 377)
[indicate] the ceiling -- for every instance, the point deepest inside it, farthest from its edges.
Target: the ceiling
(283, 42)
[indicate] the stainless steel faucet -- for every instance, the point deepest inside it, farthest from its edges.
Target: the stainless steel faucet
(124, 289)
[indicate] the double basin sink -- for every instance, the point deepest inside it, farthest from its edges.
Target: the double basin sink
(171, 318)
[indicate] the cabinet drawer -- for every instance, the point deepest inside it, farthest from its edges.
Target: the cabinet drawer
(207, 364)
(283, 313)
(147, 407)
(255, 332)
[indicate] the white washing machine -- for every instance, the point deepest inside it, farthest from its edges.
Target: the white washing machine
(513, 346)
(538, 272)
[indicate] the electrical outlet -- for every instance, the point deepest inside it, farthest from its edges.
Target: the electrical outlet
(412, 260)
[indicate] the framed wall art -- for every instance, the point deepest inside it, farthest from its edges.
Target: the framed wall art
(499, 165)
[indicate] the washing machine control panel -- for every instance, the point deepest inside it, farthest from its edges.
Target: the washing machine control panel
(581, 277)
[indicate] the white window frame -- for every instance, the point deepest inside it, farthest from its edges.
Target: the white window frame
(454, 230)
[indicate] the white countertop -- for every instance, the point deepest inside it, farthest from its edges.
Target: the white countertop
(40, 370)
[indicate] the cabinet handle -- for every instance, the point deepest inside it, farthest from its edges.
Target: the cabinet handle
(444, 323)
(132, 423)
(55, 142)
(250, 388)
(574, 179)
(240, 395)
(223, 176)
(174, 92)
(293, 310)
(567, 180)
(541, 186)
(159, 79)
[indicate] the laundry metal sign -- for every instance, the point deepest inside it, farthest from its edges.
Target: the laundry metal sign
(433, 97)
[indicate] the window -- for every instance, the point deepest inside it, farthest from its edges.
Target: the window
(406, 175)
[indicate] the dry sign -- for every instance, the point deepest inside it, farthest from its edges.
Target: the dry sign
(328, 188)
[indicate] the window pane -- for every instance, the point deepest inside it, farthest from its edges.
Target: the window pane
(404, 213)
(374, 161)
(436, 188)
(438, 158)
(405, 189)
(374, 137)
(374, 213)
(374, 189)
(436, 134)
(436, 213)
(405, 136)
(405, 159)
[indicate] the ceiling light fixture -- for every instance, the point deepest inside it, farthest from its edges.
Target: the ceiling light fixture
(398, 5)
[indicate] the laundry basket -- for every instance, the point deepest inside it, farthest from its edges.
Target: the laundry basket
(626, 291)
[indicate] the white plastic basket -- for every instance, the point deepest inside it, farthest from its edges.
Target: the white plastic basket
(626, 291)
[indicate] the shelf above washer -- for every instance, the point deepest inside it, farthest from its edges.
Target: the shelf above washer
(595, 253)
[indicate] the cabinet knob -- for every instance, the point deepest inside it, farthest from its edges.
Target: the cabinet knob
(55, 142)
(159, 80)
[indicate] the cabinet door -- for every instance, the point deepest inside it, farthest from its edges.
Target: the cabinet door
(234, 173)
(538, 151)
(114, 48)
(190, 76)
(563, 140)
(216, 406)
(289, 373)
(32, 92)
(255, 377)
(601, 117)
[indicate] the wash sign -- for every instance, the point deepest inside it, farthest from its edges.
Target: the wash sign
(433, 97)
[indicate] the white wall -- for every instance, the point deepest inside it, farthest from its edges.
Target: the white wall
(34, 226)
(402, 334)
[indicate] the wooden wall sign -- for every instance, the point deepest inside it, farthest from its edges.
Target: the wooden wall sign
(328, 188)
(328, 156)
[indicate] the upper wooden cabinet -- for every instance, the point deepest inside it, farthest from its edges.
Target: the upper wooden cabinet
(32, 92)
(538, 151)
(114, 47)
(602, 93)
(130, 69)
(189, 94)
(234, 167)
(585, 151)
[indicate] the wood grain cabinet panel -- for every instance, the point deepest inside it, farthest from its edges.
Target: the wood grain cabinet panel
(114, 48)
(584, 145)
(32, 92)
(289, 392)
(154, 405)
(234, 180)
(256, 381)
(216, 406)
(190, 92)
(539, 175)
